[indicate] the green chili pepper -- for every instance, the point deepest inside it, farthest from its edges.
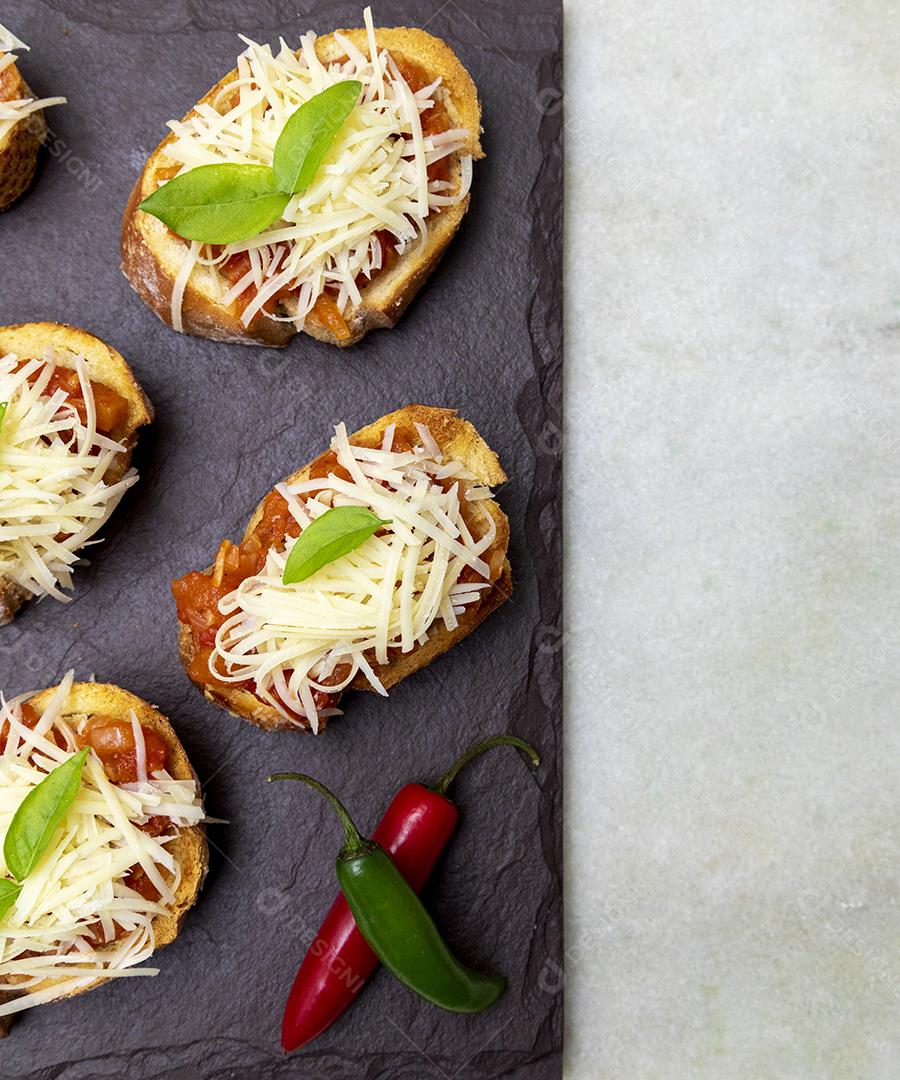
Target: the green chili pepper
(396, 925)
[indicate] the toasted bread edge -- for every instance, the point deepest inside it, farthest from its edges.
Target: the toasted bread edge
(19, 150)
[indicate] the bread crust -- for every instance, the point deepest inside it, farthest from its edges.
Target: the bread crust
(104, 365)
(20, 147)
(459, 440)
(151, 255)
(189, 847)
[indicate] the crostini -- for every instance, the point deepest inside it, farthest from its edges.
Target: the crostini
(348, 251)
(433, 567)
(23, 128)
(125, 863)
(71, 410)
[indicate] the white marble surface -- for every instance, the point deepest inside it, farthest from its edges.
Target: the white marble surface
(733, 520)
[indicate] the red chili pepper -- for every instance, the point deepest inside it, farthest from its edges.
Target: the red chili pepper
(414, 832)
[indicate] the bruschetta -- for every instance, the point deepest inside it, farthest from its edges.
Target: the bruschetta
(126, 862)
(281, 655)
(23, 128)
(71, 410)
(350, 251)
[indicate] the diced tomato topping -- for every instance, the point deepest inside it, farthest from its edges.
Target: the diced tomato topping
(156, 825)
(30, 717)
(197, 601)
(434, 120)
(277, 523)
(322, 698)
(199, 670)
(110, 407)
(389, 256)
(137, 879)
(94, 934)
(235, 267)
(112, 740)
(327, 314)
(327, 465)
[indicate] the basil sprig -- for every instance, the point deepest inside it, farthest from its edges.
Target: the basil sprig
(4, 405)
(337, 532)
(34, 823)
(309, 133)
(227, 203)
(219, 204)
(9, 893)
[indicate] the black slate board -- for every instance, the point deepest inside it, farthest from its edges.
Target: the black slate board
(483, 336)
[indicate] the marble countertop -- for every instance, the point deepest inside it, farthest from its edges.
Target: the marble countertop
(733, 520)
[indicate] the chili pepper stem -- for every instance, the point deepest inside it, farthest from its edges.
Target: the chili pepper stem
(478, 748)
(354, 844)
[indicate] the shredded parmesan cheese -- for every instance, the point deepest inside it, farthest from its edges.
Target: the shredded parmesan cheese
(140, 748)
(54, 495)
(70, 905)
(318, 634)
(11, 112)
(9, 42)
(374, 180)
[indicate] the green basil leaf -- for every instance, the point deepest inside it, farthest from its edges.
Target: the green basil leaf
(39, 814)
(218, 204)
(9, 891)
(309, 133)
(337, 532)
(4, 405)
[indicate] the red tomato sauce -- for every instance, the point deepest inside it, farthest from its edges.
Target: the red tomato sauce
(112, 740)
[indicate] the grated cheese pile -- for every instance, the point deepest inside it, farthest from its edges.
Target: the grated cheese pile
(384, 595)
(374, 178)
(79, 883)
(53, 495)
(11, 112)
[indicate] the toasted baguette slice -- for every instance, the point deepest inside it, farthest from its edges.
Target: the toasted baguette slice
(151, 255)
(459, 441)
(189, 848)
(20, 145)
(104, 365)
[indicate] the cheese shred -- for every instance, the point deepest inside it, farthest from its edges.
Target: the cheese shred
(12, 111)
